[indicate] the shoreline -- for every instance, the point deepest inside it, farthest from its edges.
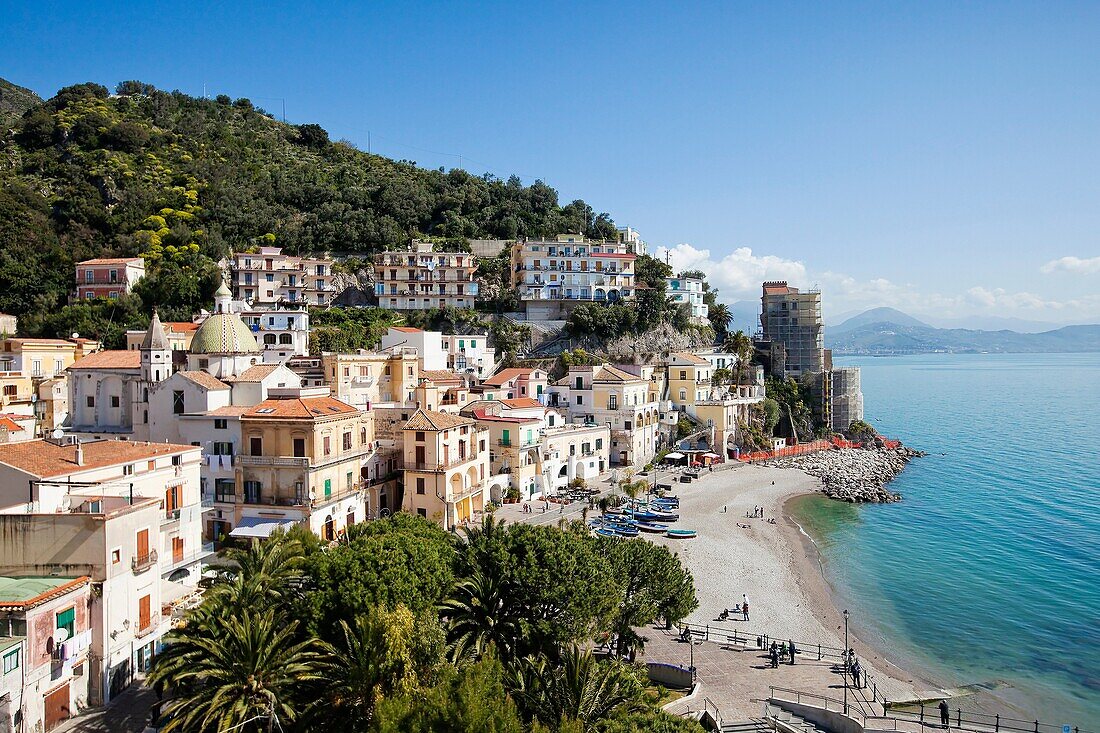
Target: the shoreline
(778, 566)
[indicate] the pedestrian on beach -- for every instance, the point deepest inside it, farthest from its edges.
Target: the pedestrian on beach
(791, 650)
(945, 714)
(745, 606)
(774, 656)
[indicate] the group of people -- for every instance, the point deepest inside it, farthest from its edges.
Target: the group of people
(778, 650)
(758, 512)
(855, 669)
(742, 608)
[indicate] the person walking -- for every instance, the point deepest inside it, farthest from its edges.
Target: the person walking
(774, 654)
(945, 714)
(856, 672)
(745, 606)
(791, 650)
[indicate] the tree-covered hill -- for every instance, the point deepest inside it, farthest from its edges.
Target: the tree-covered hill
(183, 181)
(15, 100)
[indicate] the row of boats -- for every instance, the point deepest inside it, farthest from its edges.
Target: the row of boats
(638, 516)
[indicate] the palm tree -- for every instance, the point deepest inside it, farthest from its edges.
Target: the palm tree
(720, 317)
(478, 615)
(740, 345)
(241, 670)
(577, 688)
(260, 572)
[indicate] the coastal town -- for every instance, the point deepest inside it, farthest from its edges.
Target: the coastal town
(125, 472)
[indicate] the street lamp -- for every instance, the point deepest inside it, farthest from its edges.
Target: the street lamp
(845, 663)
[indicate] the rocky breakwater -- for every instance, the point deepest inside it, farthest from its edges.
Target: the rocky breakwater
(854, 474)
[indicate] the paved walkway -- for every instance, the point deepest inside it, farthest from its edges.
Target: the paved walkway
(127, 713)
(736, 677)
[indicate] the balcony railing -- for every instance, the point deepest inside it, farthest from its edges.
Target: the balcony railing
(141, 563)
(170, 515)
(431, 466)
(271, 461)
(206, 549)
(150, 626)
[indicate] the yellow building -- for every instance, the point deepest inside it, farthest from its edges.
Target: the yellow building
(446, 465)
(43, 358)
(367, 378)
(302, 461)
(515, 454)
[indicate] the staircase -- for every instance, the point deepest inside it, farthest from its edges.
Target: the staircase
(753, 725)
(791, 723)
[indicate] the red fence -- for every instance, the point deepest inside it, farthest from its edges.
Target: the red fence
(794, 450)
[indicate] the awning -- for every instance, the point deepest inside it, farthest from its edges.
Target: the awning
(674, 456)
(711, 455)
(261, 527)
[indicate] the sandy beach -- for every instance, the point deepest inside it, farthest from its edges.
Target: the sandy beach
(776, 565)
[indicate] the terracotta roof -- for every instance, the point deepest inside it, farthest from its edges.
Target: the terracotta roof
(111, 261)
(504, 375)
(488, 417)
(51, 342)
(521, 402)
(431, 420)
(11, 425)
(440, 375)
(298, 408)
(406, 329)
(18, 594)
(610, 373)
(778, 288)
(204, 380)
(181, 326)
(228, 411)
(256, 373)
(110, 359)
(44, 459)
(688, 356)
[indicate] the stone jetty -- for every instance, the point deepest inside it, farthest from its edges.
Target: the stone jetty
(854, 474)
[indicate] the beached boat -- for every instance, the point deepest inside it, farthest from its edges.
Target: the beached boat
(606, 532)
(651, 527)
(681, 534)
(624, 531)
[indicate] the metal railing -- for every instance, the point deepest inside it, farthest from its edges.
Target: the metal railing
(929, 716)
(141, 563)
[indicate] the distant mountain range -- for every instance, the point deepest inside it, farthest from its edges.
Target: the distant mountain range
(889, 331)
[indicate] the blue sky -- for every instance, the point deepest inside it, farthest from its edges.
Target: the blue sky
(937, 157)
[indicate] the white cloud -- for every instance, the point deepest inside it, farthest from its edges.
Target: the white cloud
(1076, 265)
(739, 274)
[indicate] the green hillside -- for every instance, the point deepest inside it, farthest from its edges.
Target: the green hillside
(184, 181)
(15, 100)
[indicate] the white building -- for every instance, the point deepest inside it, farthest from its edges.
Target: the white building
(552, 277)
(129, 515)
(268, 278)
(428, 345)
(572, 452)
(471, 354)
(688, 290)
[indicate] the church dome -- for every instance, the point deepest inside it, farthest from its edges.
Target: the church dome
(224, 333)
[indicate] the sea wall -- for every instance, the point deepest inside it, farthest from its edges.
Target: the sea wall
(854, 474)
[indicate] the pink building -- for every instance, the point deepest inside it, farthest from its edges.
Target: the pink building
(108, 278)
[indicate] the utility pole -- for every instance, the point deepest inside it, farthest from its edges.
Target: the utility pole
(845, 663)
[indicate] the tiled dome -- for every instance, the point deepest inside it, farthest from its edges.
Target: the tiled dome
(224, 333)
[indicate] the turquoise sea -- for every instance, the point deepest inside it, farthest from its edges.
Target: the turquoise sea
(989, 569)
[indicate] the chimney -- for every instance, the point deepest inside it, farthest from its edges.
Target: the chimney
(79, 455)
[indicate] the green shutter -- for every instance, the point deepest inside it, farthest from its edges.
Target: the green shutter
(67, 620)
(504, 439)
(328, 487)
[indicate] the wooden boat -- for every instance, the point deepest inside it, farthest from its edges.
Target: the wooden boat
(681, 534)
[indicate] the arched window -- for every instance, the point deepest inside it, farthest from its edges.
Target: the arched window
(269, 339)
(285, 338)
(683, 395)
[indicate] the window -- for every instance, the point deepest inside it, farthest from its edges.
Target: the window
(612, 402)
(347, 441)
(683, 395)
(419, 435)
(683, 374)
(599, 442)
(299, 447)
(116, 556)
(327, 441)
(58, 365)
(67, 620)
(114, 400)
(90, 401)
(11, 660)
(580, 400)
(177, 460)
(422, 512)
(145, 616)
(220, 423)
(128, 470)
(348, 481)
(256, 446)
(10, 390)
(222, 448)
(177, 402)
(328, 488)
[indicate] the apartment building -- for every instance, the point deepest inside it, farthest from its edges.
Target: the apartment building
(302, 461)
(470, 353)
(420, 278)
(45, 638)
(125, 513)
(515, 383)
(515, 454)
(43, 358)
(716, 408)
(372, 378)
(574, 451)
(108, 278)
(792, 318)
(52, 408)
(446, 464)
(17, 392)
(633, 240)
(428, 345)
(688, 291)
(267, 278)
(552, 277)
(607, 395)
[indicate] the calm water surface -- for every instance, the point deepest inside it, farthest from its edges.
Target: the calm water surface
(990, 567)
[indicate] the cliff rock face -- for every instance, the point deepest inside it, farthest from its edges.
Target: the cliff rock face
(854, 475)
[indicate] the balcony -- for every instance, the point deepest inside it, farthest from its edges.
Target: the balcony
(433, 467)
(170, 516)
(205, 550)
(150, 626)
(271, 461)
(141, 563)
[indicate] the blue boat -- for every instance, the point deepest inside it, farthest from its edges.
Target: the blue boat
(625, 531)
(650, 527)
(606, 532)
(681, 534)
